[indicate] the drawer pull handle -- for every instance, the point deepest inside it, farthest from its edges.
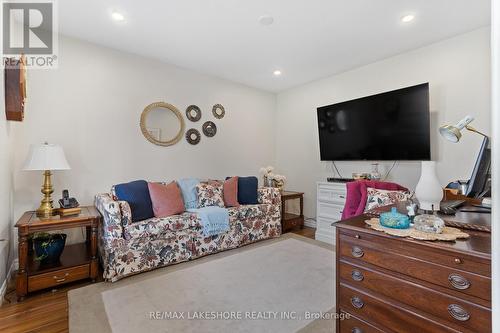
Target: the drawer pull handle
(356, 330)
(458, 281)
(342, 196)
(357, 252)
(458, 261)
(458, 312)
(60, 279)
(357, 236)
(357, 302)
(357, 275)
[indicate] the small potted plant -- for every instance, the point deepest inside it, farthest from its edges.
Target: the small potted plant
(271, 179)
(48, 247)
(266, 172)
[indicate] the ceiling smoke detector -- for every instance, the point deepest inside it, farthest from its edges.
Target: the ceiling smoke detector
(266, 20)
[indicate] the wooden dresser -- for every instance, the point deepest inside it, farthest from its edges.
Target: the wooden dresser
(391, 284)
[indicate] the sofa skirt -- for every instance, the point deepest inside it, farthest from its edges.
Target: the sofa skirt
(121, 257)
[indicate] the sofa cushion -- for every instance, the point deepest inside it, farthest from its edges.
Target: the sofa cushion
(166, 199)
(188, 189)
(231, 192)
(247, 190)
(210, 194)
(136, 193)
(253, 211)
(157, 226)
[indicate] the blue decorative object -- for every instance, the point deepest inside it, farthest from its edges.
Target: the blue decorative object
(49, 247)
(393, 219)
(136, 193)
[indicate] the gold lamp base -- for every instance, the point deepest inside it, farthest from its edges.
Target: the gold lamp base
(46, 209)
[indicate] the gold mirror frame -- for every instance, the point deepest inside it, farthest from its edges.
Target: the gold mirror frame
(148, 135)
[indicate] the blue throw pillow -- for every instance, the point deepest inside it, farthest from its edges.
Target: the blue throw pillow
(136, 193)
(247, 190)
(188, 189)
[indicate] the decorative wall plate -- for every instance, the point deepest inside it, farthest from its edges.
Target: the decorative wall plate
(193, 136)
(218, 111)
(193, 113)
(209, 128)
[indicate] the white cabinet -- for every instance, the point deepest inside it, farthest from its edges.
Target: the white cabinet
(329, 206)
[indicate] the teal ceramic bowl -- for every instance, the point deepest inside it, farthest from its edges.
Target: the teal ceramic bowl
(395, 220)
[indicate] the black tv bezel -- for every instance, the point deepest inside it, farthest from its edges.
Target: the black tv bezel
(367, 96)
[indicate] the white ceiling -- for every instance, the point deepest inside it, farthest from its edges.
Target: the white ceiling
(310, 39)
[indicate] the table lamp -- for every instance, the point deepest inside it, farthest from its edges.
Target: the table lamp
(453, 132)
(46, 157)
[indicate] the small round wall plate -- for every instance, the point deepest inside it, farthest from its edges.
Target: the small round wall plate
(218, 111)
(209, 128)
(193, 113)
(193, 136)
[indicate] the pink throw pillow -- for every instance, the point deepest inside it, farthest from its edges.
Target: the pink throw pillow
(166, 199)
(231, 192)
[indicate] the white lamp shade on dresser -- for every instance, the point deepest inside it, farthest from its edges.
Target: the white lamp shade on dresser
(46, 157)
(429, 191)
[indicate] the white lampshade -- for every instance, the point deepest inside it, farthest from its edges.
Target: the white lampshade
(429, 191)
(46, 157)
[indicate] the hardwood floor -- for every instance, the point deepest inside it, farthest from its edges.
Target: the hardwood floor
(47, 311)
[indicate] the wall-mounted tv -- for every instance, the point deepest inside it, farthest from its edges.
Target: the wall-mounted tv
(394, 125)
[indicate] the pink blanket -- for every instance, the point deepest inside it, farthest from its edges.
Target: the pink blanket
(356, 195)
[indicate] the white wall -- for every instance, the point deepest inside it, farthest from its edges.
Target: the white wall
(458, 70)
(6, 148)
(92, 103)
(495, 235)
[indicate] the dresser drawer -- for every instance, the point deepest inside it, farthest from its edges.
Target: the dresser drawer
(330, 194)
(415, 265)
(55, 278)
(439, 304)
(424, 251)
(382, 313)
(330, 211)
(355, 325)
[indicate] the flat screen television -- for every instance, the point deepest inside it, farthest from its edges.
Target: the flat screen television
(394, 125)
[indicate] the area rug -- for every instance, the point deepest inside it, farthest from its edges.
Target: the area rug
(280, 285)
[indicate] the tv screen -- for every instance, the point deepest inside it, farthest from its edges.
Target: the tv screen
(393, 125)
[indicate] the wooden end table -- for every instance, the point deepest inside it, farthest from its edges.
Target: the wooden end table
(78, 261)
(289, 220)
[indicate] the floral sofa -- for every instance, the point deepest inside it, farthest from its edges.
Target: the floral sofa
(128, 248)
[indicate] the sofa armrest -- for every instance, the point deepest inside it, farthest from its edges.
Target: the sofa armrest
(269, 195)
(111, 211)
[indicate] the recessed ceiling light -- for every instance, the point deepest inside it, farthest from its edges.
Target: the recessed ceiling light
(117, 16)
(407, 18)
(277, 72)
(266, 20)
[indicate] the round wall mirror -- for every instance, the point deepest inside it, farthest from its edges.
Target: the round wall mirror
(162, 124)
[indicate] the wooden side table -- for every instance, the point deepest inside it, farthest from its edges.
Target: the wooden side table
(78, 261)
(289, 220)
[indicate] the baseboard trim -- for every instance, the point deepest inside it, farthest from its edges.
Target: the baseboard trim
(310, 223)
(3, 289)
